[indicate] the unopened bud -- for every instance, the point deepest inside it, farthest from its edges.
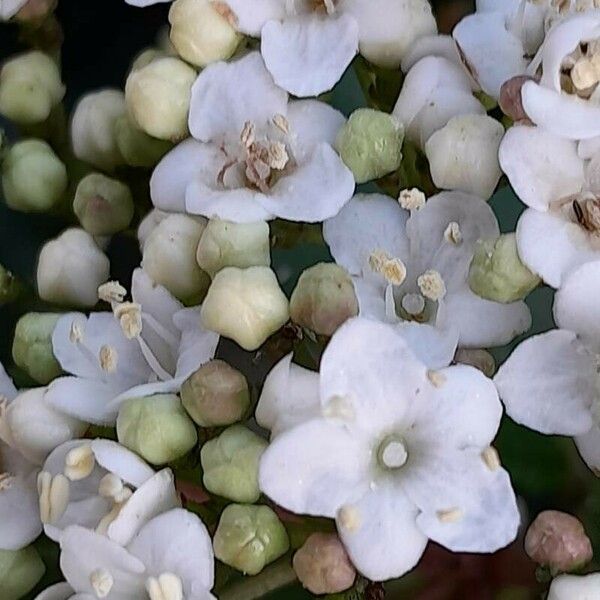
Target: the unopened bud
(137, 147)
(34, 179)
(478, 358)
(574, 587)
(323, 298)
(248, 538)
(145, 57)
(497, 273)
(20, 571)
(104, 206)
(148, 224)
(322, 565)
(370, 144)
(510, 100)
(216, 395)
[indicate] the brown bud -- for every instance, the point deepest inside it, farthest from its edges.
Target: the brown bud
(474, 357)
(510, 98)
(322, 565)
(557, 540)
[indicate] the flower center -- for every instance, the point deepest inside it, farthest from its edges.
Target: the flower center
(392, 453)
(165, 587)
(587, 214)
(580, 72)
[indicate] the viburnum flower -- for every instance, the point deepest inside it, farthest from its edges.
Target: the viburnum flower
(147, 346)
(413, 266)
(550, 383)
(561, 186)
(399, 454)
(254, 157)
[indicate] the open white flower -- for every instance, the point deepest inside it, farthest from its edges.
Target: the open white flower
(551, 382)
(414, 266)
(148, 346)
(398, 455)
(254, 157)
(561, 228)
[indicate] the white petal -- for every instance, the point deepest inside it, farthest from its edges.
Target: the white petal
(307, 55)
(553, 247)
(588, 445)
(164, 545)
(571, 587)
(374, 299)
(59, 591)
(541, 166)
(227, 95)
(7, 387)
(315, 468)
(588, 148)
(315, 190)
(117, 459)
(312, 122)
(548, 384)
(143, 3)
(250, 17)
(87, 513)
(386, 543)
(433, 45)
(434, 347)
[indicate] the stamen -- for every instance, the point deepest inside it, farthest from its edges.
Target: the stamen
(453, 234)
(281, 123)
(6, 481)
(248, 134)
(167, 586)
(453, 515)
(53, 496)
(436, 378)
(584, 74)
(108, 359)
(278, 156)
(412, 199)
(102, 582)
(491, 458)
(413, 304)
(129, 315)
(112, 291)
(432, 285)
(349, 517)
(5, 433)
(392, 269)
(75, 333)
(110, 486)
(79, 462)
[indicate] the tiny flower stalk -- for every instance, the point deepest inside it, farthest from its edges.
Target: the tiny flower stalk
(20, 571)
(380, 86)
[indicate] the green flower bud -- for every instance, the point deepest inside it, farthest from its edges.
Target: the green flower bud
(216, 395)
(225, 244)
(138, 148)
(156, 427)
(20, 570)
(30, 87)
(145, 57)
(104, 206)
(246, 305)
(230, 464)
(248, 538)
(203, 31)
(323, 298)
(33, 178)
(32, 346)
(9, 286)
(370, 144)
(497, 272)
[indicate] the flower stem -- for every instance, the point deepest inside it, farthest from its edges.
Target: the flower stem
(275, 577)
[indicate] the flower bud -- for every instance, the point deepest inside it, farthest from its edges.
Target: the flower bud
(158, 97)
(33, 178)
(138, 148)
(202, 32)
(248, 538)
(574, 587)
(230, 464)
(322, 565)
(170, 257)
(370, 144)
(148, 224)
(557, 540)
(104, 206)
(156, 427)
(323, 298)
(478, 358)
(20, 571)
(93, 128)
(246, 305)
(71, 268)
(145, 57)
(32, 346)
(216, 395)
(497, 273)
(30, 87)
(463, 155)
(225, 244)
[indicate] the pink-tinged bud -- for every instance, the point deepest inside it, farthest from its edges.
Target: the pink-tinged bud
(510, 98)
(322, 565)
(557, 540)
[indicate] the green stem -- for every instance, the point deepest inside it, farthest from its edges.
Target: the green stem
(275, 577)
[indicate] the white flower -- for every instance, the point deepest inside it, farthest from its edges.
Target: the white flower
(551, 382)
(569, 587)
(399, 454)
(149, 346)
(414, 266)
(254, 157)
(561, 228)
(9, 8)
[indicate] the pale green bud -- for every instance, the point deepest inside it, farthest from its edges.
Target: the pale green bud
(104, 206)
(497, 273)
(230, 464)
(323, 298)
(145, 57)
(156, 427)
(158, 97)
(30, 87)
(370, 144)
(138, 148)
(203, 31)
(246, 305)
(32, 346)
(216, 395)
(248, 538)
(226, 244)
(20, 571)
(33, 178)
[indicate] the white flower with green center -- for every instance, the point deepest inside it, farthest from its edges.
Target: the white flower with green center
(551, 382)
(397, 453)
(253, 155)
(148, 346)
(413, 266)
